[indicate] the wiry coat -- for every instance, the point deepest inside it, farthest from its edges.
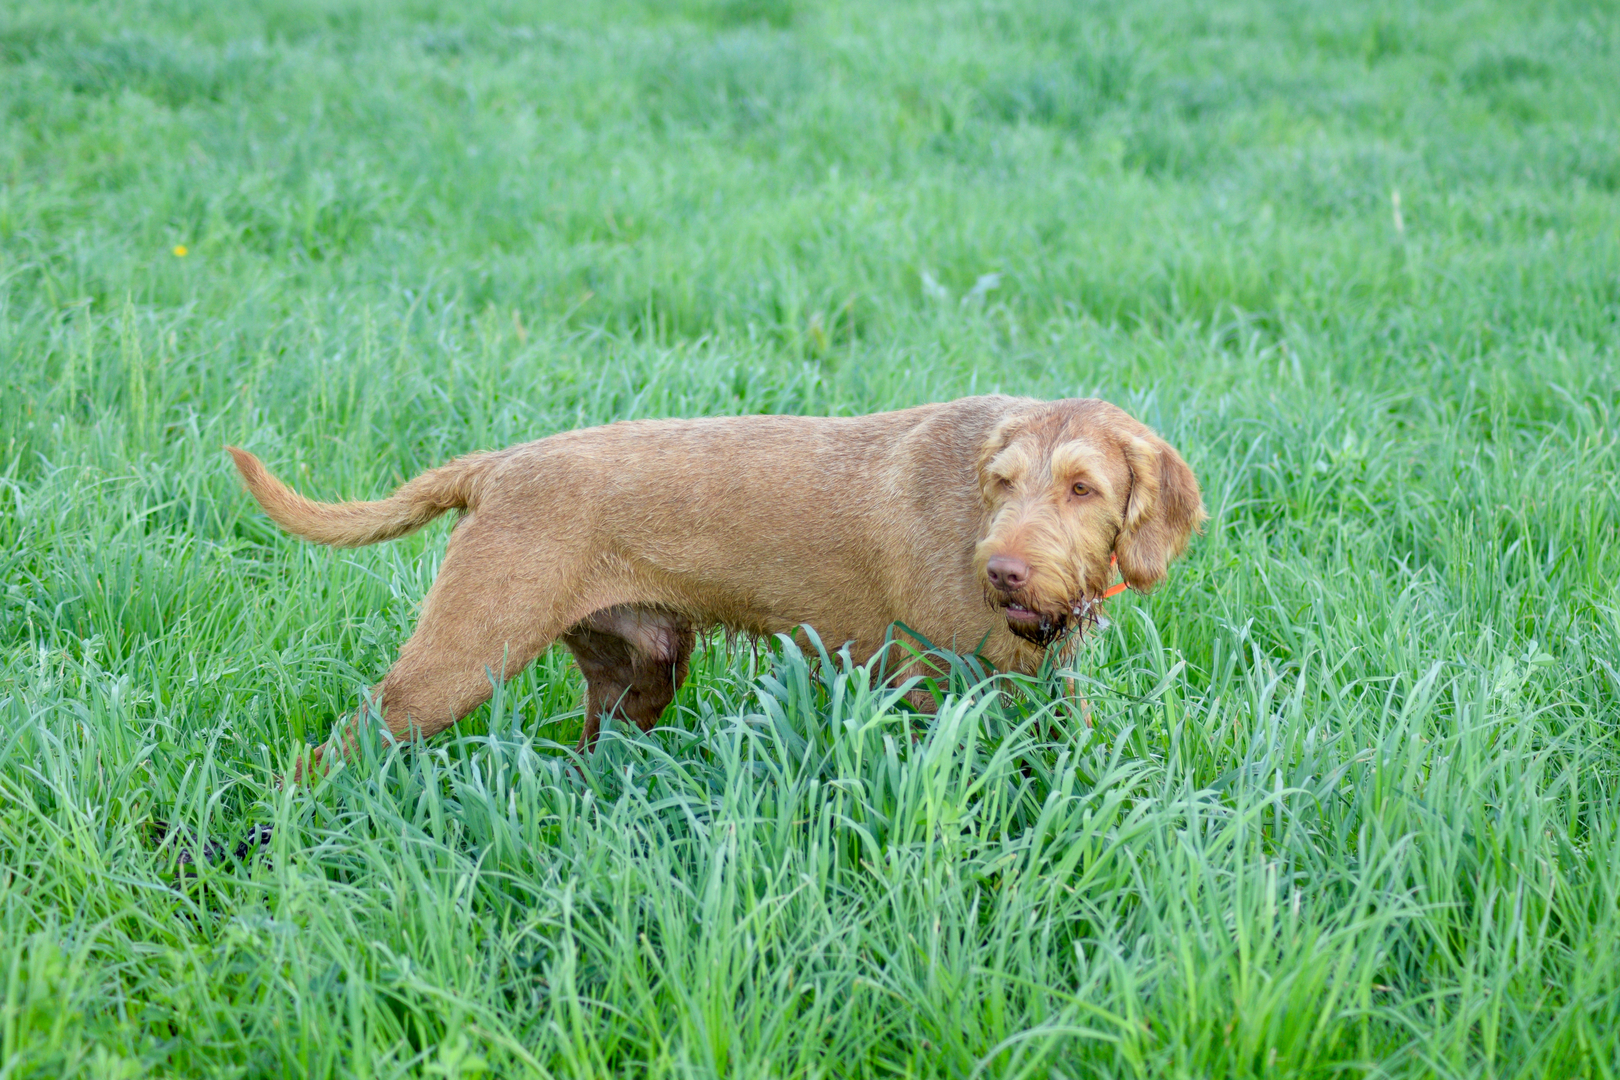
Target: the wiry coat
(623, 541)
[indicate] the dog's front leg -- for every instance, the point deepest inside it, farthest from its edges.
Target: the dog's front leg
(634, 661)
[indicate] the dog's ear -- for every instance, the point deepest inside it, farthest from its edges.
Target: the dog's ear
(1000, 437)
(1162, 510)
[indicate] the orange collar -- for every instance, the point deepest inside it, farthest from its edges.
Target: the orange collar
(1114, 590)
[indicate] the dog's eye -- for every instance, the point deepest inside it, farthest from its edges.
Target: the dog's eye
(1082, 490)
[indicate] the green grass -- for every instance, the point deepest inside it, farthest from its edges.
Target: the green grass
(1351, 800)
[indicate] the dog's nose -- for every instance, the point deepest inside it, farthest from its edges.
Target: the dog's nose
(1007, 572)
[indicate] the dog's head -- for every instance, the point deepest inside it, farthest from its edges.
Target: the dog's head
(1070, 486)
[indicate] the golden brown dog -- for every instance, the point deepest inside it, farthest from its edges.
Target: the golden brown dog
(986, 524)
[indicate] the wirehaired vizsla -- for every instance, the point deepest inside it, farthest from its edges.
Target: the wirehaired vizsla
(989, 524)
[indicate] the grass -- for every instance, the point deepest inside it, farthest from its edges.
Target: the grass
(1351, 800)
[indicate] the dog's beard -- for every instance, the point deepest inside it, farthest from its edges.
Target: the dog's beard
(1042, 628)
(1042, 632)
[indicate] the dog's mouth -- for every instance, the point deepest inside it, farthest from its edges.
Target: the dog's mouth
(1020, 614)
(1038, 627)
(1044, 627)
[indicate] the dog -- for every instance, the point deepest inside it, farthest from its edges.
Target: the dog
(989, 524)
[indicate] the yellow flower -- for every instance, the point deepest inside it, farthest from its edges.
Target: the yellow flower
(180, 251)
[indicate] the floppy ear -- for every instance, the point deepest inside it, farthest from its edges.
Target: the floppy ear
(1163, 509)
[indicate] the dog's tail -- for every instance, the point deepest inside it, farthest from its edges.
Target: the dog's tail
(355, 524)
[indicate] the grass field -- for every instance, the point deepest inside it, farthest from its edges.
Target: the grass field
(1351, 801)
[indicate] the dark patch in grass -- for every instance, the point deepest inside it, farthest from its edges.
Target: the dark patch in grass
(301, 21)
(1069, 95)
(169, 72)
(1384, 39)
(25, 39)
(1165, 145)
(777, 14)
(189, 852)
(1492, 71)
(740, 81)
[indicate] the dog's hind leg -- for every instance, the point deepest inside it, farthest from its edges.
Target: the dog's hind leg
(486, 616)
(634, 660)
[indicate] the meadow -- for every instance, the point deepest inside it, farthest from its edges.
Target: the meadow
(1348, 800)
